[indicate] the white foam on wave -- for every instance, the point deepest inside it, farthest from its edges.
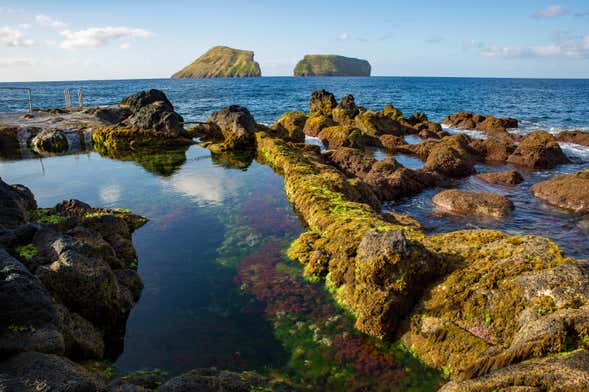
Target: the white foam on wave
(575, 151)
(473, 133)
(315, 141)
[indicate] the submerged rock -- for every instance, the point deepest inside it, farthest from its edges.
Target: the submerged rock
(331, 65)
(33, 371)
(213, 380)
(237, 126)
(473, 203)
(538, 150)
(568, 191)
(508, 177)
(222, 62)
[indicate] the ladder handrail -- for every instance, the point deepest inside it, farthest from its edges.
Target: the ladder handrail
(29, 94)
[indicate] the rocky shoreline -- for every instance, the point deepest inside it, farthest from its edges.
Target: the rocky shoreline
(487, 309)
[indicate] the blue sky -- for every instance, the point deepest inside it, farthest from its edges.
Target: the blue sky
(65, 40)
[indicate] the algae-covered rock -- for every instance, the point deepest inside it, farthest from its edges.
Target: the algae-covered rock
(341, 136)
(376, 124)
(237, 126)
(345, 111)
(567, 372)
(493, 149)
(479, 317)
(322, 103)
(568, 191)
(331, 65)
(508, 177)
(451, 157)
(538, 150)
(290, 126)
(490, 125)
(473, 203)
(316, 123)
(222, 62)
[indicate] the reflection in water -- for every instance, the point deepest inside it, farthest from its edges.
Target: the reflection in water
(110, 194)
(161, 162)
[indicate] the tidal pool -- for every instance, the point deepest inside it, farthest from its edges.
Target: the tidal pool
(219, 290)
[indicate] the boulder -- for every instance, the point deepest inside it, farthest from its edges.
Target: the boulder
(151, 110)
(16, 201)
(391, 142)
(213, 380)
(392, 112)
(322, 103)
(341, 136)
(417, 118)
(538, 150)
(375, 124)
(566, 372)
(82, 339)
(290, 127)
(576, 137)
(451, 157)
(353, 161)
(111, 115)
(493, 149)
(345, 111)
(508, 177)
(30, 319)
(237, 126)
(33, 371)
(568, 191)
(490, 125)
(316, 123)
(473, 203)
(50, 140)
(508, 299)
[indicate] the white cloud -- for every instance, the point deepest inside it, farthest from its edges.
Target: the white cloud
(110, 194)
(564, 46)
(16, 62)
(469, 44)
(24, 26)
(10, 37)
(48, 21)
(125, 45)
(343, 37)
(95, 37)
(550, 12)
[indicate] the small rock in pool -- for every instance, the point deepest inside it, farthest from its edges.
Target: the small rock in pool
(473, 203)
(508, 177)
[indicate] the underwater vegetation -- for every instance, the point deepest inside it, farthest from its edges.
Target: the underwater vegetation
(325, 351)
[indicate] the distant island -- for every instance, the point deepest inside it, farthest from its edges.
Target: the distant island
(331, 65)
(222, 62)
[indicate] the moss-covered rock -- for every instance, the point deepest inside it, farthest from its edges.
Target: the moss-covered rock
(237, 126)
(322, 103)
(451, 157)
(507, 177)
(117, 138)
(576, 137)
(538, 150)
(316, 123)
(341, 136)
(290, 126)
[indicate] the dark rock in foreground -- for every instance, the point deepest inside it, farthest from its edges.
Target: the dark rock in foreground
(237, 127)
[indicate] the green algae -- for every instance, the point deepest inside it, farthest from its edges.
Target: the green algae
(44, 215)
(27, 251)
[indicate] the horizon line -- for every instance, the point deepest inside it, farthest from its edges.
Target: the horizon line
(303, 78)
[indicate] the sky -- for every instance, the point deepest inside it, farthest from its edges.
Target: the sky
(80, 40)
